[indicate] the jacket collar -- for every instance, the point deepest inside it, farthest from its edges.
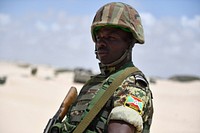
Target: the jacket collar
(108, 70)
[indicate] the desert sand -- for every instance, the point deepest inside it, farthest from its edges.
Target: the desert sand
(29, 101)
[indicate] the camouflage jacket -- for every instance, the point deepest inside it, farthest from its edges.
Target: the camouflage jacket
(131, 102)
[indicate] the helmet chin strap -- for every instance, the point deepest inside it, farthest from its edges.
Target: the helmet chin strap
(109, 68)
(113, 65)
(122, 58)
(127, 55)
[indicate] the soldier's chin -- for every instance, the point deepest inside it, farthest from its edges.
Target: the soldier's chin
(105, 62)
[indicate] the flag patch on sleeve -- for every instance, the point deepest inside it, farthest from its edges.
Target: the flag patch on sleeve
(134, 103)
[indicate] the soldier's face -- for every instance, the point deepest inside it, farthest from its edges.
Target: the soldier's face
(111, 43)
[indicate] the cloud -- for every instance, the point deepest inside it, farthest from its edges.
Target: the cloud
(172, 45)
(191, 23)
(59, 39)
(4, 19)
(41, 26)
(53, 38)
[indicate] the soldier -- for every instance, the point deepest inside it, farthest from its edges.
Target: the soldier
(115, 30)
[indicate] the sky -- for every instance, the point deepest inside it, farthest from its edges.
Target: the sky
(57, 33)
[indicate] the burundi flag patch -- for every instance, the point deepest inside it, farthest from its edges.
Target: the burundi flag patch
(134, 103)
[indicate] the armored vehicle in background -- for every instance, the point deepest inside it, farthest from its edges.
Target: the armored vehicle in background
(82, 75)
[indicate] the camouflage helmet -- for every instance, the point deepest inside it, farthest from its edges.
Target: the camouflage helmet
(121, 16)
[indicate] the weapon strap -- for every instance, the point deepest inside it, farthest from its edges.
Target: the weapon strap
(103, 99)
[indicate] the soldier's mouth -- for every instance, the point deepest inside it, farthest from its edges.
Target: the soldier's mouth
(102, 52)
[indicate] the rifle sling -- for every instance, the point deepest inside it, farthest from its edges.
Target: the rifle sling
(103, 99)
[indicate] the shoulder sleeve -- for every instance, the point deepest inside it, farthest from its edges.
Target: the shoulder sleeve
(135, 97)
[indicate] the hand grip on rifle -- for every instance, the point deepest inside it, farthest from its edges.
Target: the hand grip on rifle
(60, 114)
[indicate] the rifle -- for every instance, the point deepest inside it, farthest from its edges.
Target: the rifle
(60, 114)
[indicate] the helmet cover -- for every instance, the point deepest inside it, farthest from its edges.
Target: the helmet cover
(118, 15)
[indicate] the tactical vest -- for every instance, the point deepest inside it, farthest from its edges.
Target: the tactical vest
(79, 109)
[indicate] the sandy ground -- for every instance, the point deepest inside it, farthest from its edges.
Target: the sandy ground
(27, 102)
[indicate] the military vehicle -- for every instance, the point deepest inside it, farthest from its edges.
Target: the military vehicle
(82, 75)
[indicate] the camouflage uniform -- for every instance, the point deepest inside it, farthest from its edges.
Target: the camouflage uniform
(132, 101)
(133, 89)
(119, 107)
